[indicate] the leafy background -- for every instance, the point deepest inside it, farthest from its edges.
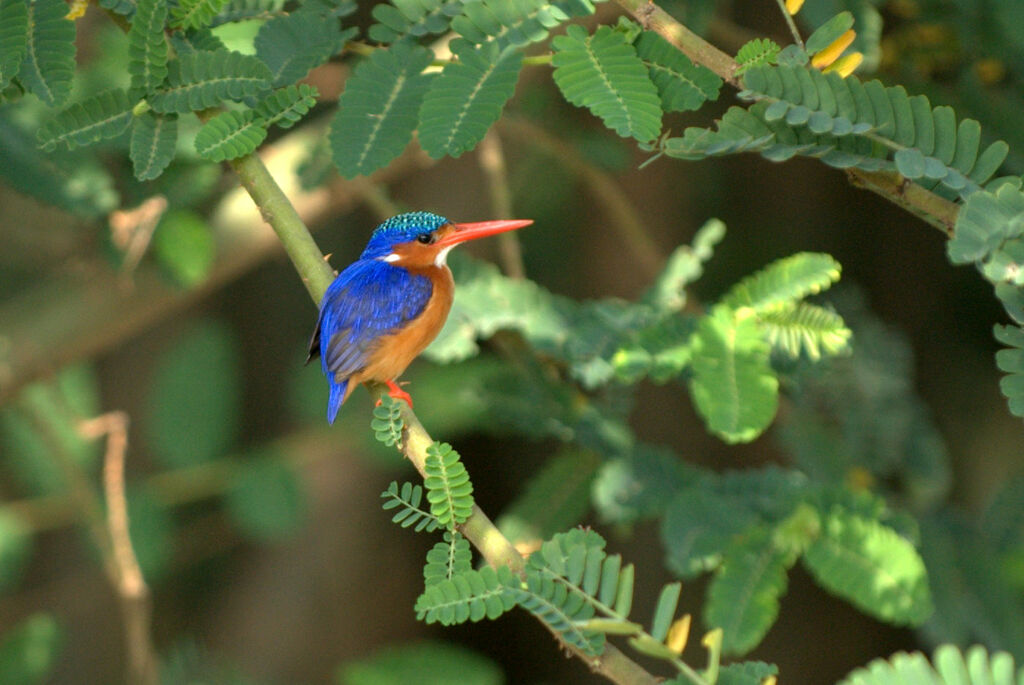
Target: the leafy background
(259, 529)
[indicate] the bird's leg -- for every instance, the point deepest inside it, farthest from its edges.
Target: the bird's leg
(397, 393)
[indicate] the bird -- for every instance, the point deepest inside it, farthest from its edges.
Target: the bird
(384, 309)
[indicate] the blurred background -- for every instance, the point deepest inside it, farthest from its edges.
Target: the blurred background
(258, 527)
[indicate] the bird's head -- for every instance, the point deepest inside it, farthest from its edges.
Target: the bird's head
(419, 240)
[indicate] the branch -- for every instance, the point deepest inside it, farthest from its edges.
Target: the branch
(478, 529)
(937, 211)
(130, 585)
(492, 161)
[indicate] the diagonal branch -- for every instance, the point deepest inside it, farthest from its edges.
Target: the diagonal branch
(937, 211)
(316, 274)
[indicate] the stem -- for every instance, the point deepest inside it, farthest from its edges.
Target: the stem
(131, 586)
(316, 274)
(623, 216)
(790, 23)
(492, 160)
(935, 210)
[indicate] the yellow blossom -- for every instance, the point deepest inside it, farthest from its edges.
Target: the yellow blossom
(678, 634)
(844, 66)
(832, 52)
(793, 6)
(77, 9)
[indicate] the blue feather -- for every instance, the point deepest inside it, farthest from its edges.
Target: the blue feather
(367, 300)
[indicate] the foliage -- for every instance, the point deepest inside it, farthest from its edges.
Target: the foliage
(862, 502)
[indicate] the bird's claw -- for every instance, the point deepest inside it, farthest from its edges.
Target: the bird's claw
(395, 392)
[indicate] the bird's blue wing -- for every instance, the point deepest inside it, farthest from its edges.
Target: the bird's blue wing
(367, 300)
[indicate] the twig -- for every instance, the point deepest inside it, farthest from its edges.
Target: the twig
(492, 161)
(790, 23)
(316, 274)
(130, 585)
(937, 211)
(623, 216)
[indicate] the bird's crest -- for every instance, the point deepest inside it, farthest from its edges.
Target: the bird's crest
(401, 229)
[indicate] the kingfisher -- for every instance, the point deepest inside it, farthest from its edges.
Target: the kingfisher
(386, 307)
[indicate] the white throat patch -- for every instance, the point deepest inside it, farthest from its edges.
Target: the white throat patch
(391, 258)
(442, 256)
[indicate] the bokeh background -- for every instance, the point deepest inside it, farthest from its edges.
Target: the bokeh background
(259, 527)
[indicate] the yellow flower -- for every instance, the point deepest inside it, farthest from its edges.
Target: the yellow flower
(832, 52)
(846, 65)
(678, 634)
(793, 6)
(77, 9)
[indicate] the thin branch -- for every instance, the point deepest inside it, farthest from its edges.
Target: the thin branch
(492, 161)
(622, 214)
(317, 275)
(131, 586)
(937, 211)
(790, 23)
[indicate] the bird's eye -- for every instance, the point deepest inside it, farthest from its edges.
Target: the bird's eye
(426, 238)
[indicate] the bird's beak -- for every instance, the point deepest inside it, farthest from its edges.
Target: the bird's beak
(481, 229)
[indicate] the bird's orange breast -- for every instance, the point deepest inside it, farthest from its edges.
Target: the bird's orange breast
(393, 353)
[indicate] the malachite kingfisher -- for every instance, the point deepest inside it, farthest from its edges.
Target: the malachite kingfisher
(386, 307)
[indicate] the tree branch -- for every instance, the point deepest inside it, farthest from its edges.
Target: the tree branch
(478, 529)
(937, 211)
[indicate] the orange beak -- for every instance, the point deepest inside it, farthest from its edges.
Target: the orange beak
(481, 229)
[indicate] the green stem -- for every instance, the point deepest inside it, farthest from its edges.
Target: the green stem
(790, 23)
(935, 210)
(316, 274)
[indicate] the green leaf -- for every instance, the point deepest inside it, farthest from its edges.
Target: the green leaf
(293, 44)
(870, 565)
(516, 22)
(196, 40)
(379, 109)
(195, 14)
(829, 32)
(241, 10)
(183, 243)
(665, 611)
(230, 135)
(267, 500)
(147, 46)
(804, 328)
(469, 596)
(387, 422)
(698, 527)
(154, 142)
(447, 559)
(684, 266)
(746, 673)
(950, 668)
(424, 663)
(200, 80)
(13, 34)
(408, 502)
(194, 402)
(555, 498)
(1011, 362)
(743, 598)
(103, 116)
(603, 73)
(286, 106)
(467, 98)
(448, 488)
(785, 281)
(28, 652)
(640, 485)
(49, 63)
(682, 85)
(756, 52)
(15, 548)
(412, 18)
(984, 223)
(733, 386)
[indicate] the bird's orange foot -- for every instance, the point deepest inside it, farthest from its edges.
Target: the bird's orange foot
(397, 393)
